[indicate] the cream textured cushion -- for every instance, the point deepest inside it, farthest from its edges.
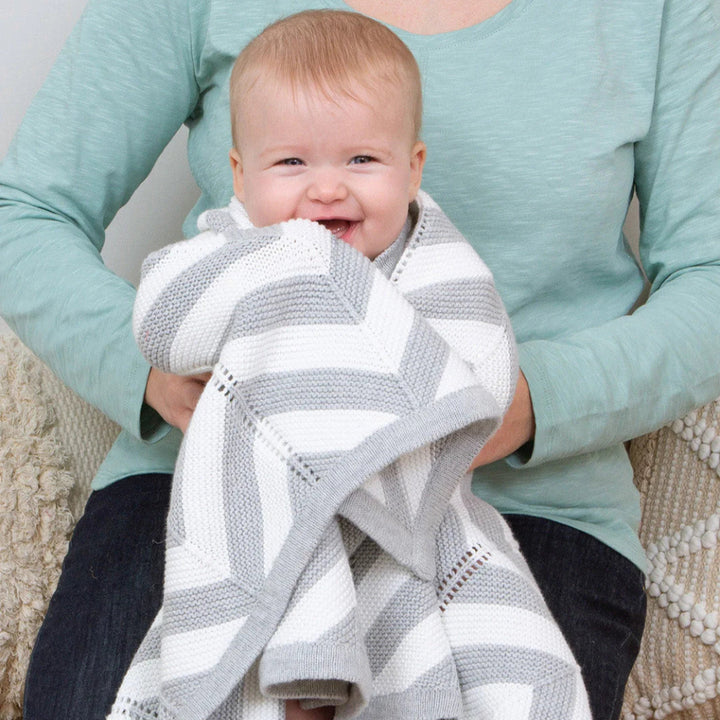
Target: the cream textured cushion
(677, 470)
(51, 443)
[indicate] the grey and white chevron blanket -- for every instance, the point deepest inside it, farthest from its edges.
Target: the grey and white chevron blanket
(323, 542)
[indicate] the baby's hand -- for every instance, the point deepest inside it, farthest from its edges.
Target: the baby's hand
(174, 396)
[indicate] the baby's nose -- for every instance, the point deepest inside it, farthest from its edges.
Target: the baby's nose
(327, 186)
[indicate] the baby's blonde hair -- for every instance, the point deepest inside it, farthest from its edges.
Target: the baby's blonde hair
(330, 51)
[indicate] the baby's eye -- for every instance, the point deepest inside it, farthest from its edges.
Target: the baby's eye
(361, 160)
(291, 161)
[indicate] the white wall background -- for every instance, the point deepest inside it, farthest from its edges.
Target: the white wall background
(31, 35)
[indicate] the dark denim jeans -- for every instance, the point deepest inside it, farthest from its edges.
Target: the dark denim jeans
(111, 588)
(597, 597)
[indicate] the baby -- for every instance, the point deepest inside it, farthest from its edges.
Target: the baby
(331, 137)
(325, 554)
(328, 130)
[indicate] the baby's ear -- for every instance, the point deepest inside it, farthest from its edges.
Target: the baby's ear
(238, 175)
(417, 163)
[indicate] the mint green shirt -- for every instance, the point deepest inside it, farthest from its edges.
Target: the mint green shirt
(539, 122)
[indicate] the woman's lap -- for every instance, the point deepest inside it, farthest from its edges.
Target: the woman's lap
(597, 597)
(108, 594)
(111, 588)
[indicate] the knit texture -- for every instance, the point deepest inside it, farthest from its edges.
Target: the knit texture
(323, 542)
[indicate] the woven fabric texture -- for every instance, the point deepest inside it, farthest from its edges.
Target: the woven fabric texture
(677, 470)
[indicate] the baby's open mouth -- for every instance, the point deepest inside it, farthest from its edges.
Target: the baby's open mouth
(337, 227)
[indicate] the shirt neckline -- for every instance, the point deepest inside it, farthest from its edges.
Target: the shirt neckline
(473, 33)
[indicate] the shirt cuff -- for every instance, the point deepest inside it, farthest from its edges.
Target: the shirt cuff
(539, 449)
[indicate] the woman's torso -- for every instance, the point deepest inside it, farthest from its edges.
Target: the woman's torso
(530, 121)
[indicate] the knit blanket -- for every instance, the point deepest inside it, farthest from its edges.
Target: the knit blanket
(323, 542)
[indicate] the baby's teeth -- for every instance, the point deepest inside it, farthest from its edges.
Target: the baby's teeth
(336, 227)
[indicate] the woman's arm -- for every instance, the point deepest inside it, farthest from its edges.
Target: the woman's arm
(604, 385)
(120, 89)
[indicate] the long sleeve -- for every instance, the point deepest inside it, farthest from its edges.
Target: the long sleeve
(606, 384)
(120, 89)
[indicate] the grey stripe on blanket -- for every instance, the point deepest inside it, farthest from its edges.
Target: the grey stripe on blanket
(323, 542)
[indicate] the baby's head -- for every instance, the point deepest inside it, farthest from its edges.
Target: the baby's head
(326, 111)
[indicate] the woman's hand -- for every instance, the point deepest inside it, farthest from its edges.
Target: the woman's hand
(518, 427)
(174, 396)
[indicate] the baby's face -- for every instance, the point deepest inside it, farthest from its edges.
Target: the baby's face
(352, 165)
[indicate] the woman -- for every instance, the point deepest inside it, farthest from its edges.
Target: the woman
(540, 119)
